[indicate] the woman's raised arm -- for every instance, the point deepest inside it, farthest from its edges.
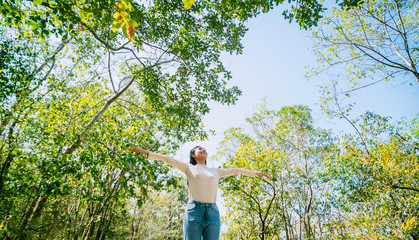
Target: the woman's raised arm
(138, 150)
(182, 166)
(225, 172)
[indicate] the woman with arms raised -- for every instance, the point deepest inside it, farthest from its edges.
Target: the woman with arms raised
(202, 217)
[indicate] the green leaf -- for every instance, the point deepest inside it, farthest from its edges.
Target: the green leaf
(124, 14)
(116, 15)
(125, 5)
(132, 22)
(188, 3)
(124, 29)
(37, 2)
(116, 25)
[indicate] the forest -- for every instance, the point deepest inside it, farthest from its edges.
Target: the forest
(81, 80)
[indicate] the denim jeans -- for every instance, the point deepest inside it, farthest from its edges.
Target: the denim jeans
(201, 219)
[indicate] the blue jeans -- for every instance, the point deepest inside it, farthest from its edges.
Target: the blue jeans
(201, 219)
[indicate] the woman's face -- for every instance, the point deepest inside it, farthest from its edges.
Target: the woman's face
(200, 154)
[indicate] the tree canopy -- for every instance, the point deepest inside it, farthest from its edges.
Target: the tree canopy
(82, 79)
(326, 185)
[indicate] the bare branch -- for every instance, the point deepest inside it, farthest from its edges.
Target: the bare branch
(394, 46)
(406, 45)
(54, 55)
(406, 141)
(109, 71)
(341, 113)
(369, 84)
(405, 188)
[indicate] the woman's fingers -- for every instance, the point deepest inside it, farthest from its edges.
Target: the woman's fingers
(128, 148)
(264, 174)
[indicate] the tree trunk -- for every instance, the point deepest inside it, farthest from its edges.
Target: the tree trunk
(36, 214)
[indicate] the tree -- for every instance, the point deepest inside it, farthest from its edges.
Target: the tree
(161, 216)
(352, 186)
(371, 182)
(59, 119)
(79, 79)
(373, 190)
(358, 47)
(285, 144)
(49, 195)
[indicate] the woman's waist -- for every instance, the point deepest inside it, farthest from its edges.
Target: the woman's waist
(206, 204)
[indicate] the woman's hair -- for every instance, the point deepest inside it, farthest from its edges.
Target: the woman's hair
(192, 159)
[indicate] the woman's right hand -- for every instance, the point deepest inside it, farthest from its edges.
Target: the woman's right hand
(139, 150)
(129, 148)
(264, 175)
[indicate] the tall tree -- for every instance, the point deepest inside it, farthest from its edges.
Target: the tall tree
(374, 190)
(286, 144)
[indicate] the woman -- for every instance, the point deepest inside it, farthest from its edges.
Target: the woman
(202, 217)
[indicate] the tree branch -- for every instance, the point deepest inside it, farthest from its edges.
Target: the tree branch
(406, 141)
(109, 71)
(362, 48)
(369, 84)
(406, 45)
(254, 200)
(405, 188)
(89, 126)
(353, 125)
(394, 46)
(57, 50)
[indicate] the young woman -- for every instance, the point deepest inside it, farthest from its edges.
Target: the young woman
(202, 217)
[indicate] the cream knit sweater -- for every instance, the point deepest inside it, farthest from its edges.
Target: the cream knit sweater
(203, 181)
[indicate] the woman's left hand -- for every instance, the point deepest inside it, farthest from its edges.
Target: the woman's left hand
(264, 175)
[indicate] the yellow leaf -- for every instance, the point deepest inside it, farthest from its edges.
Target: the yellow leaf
(188, 3)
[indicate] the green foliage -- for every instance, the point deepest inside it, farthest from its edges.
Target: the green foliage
(81, 79)
(355, 186)
(15, 57)
(371, 180)
(100, 178)
(162, 215)
(285, 145)
(375, 190)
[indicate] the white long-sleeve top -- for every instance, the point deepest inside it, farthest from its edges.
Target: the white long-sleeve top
(203, 181)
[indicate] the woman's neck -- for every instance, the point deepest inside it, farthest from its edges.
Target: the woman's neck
(201, 162)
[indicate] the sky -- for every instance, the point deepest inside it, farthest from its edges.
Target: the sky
(272, 67)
